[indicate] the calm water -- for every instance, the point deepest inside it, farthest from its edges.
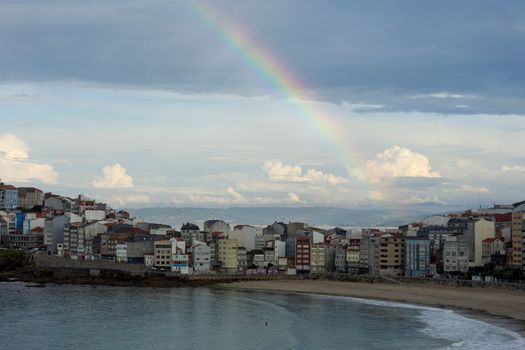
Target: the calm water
(83, 317)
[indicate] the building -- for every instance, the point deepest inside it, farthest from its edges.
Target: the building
(491, 247)
(189, 233)
(482, 229)
(518, 236)
(353, 255)
(246, 236)
(27, 241)
(121, 253)
(417, 256)
(369, 252)
(216, 226)
(227, 255)
(179, 258)
(29, 197)
(201, 257)
(57, 203)
(341, 264)
(391, 254)
(302, 254)
(455, 254)
(322, 258)
(74, 241)
(242, 258)
(8, 197)
(54, 233)
(162, 252)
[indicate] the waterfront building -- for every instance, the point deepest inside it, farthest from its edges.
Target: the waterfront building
(162, 251)
(179, 258)
(455, 254)
(121, 253)
(417, 256)
(491, 247)
(242, 258)
(201, 256)
(341, 264)
(227, 255)
(73, 243)
(518, 236)
(391, 254)
(54, 233)
(302, 254)
(353, 255)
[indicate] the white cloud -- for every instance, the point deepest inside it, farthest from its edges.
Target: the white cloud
(396, 162)
(113, 177)
(15, 165)
(277, 171)
(472, 189)
(420, 200)
(512, 168)
(236, 196)
(127, 199)
(442, 94)
(294, 198)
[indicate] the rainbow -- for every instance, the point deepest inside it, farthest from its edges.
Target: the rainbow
(287, 85)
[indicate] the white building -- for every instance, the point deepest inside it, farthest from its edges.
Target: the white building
(201, 257)
(455, 254)
(245, 236)
(121, 253)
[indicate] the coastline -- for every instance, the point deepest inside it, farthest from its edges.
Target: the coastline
(501, 308)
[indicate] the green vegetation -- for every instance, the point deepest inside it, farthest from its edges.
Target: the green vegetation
(7, 253)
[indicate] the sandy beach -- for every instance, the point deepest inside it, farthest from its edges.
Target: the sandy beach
(491, 305)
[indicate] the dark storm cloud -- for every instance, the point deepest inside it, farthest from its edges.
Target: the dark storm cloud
(433, 56)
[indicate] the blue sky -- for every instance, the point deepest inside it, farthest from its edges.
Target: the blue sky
(142, 104)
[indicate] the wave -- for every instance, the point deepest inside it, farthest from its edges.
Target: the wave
(462, 332)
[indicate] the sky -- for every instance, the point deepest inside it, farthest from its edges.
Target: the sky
(257, 103)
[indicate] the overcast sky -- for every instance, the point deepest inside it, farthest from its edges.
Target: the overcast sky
(147, 102)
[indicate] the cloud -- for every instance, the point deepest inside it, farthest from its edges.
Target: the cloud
(16, 166)
(441, 95)
(278, 171)
(236, 196)
(396, 162)
(294, 198)
(129, 199)
(472, 189)
(421, 200)
(512, 168)
(113, 177)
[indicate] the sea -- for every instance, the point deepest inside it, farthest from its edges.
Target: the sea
(103, 317)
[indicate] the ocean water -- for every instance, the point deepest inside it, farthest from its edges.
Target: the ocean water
(83, 317)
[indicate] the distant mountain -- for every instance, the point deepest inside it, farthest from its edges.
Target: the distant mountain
(320, 216)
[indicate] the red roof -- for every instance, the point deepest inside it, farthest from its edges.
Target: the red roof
(489, 240)
(7, 187)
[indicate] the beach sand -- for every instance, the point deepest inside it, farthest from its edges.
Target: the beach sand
(501, 307)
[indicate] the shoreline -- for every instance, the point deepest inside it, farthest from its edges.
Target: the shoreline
(501, 313)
